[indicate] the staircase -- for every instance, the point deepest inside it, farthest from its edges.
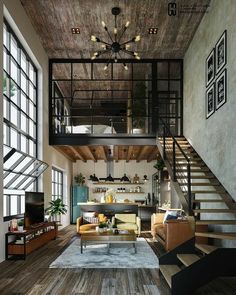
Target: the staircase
(204, 198)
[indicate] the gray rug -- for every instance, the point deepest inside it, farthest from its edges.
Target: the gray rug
(96, 256)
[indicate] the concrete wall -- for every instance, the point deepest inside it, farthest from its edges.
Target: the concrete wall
(17, 18)
(215, 138)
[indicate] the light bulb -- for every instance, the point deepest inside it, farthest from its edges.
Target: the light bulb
(93, 38)
(137, 38)
(126, 68)
(105, 68)
(95, 53)
(115, 31)
(137, 57)
(103, 46)
(93, 57)
(103, 24)
(127, 46)
(127, 24)
(135, 53)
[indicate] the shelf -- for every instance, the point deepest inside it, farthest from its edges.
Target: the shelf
(117, 183)
(121, 193)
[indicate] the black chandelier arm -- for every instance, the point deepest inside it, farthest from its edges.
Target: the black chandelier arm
(102, 52)
(130, 41)
(109, 60)
(122, 33)
(101, 41)
(106, 29)
(128, 52)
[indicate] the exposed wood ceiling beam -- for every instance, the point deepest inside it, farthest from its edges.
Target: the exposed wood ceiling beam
(142, 152)
(129, 153)
(59, 149)
(90, 154)
(77, 154)
(152, 154)
(116, 153)
(104, 155)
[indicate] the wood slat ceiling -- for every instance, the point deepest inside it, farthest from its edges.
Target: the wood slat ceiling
(53, 20)
(84, 153)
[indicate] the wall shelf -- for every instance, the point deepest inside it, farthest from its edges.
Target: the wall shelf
(117, 183)
(121, 193)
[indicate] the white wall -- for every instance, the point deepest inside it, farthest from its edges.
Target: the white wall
(215, 138)
(19, 21)
(120, 168)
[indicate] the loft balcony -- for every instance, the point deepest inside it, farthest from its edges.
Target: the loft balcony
(88, 105)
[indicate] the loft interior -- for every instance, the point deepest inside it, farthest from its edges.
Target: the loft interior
(118, 141)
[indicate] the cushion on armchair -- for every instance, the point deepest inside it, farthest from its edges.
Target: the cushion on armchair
(130, 218)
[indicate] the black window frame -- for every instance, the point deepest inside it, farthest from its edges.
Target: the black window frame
(57, 184)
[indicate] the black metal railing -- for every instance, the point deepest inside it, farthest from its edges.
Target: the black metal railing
(180, 168)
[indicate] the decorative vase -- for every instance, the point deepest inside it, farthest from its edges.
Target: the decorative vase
(20, 227)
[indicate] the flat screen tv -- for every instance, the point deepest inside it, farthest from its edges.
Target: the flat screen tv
(34, 208)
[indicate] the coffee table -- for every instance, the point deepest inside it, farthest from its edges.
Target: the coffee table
(109, 238)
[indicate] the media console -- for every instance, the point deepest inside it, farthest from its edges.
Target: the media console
(20, 244)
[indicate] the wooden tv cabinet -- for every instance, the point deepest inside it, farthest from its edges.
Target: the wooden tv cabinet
(20, 244)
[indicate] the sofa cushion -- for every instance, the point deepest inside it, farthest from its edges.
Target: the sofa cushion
(127, 226)
(172, 213)
(130, 218)
(89, 217)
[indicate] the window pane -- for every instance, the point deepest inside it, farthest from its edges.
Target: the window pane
(5, 134)
(23, 62)
(23, 122)
(13, 114)
(31, 148)
(13, 138)
(31, 110)
(5, 61)
(13, 205)
(22, 204)
(6, 108)
(13, 92)
(23, 144)
(32, 129)
(5, 205)
(14, 71)
(23, 102)
(14, 49)
(23, 82)
(5, 37)
(31, 73)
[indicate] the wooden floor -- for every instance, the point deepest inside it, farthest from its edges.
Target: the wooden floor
(33, 276)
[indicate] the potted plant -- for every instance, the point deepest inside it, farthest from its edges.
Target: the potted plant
(159, 164)
(102, 227)
(56, 208)
(79, 179)
(20, 225)
(139, 108)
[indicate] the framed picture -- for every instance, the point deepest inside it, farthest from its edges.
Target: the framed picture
(221, 52)
(210, 67)
(221, 89)
(210, 100)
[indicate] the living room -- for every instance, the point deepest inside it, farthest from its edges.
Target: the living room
(187, 35)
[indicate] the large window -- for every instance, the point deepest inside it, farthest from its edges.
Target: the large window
(19, 111)
(57, 184)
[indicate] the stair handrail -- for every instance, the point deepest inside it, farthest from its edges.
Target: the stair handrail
(175, 143)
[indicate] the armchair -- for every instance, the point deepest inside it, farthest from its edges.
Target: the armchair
(172, 233)
(127, 221)
(83, 227)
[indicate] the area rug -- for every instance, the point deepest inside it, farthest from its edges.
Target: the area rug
(96, 256)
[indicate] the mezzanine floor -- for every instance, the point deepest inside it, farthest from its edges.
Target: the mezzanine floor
(33, 276)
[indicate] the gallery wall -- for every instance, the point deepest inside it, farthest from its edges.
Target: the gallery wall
(214, 138)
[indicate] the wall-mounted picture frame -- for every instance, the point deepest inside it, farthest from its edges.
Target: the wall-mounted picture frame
(210, 67)
(221, 52)
(210, 100)
(221, 89)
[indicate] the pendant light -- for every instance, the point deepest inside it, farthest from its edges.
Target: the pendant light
(94, 177)
(124, 178)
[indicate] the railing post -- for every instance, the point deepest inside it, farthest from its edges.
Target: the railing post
(174, 162)
(190, 208)
(164, 142)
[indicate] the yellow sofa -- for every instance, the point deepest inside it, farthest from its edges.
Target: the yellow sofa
(127, 221)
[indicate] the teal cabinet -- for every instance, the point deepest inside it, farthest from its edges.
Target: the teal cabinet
(79, 194)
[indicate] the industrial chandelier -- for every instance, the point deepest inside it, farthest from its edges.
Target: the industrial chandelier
(115, 46)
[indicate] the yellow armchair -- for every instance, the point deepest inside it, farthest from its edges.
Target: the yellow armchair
(127, 221)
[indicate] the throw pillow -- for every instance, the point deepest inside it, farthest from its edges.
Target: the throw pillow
(170, 212)
(89, 217)
(169, 217)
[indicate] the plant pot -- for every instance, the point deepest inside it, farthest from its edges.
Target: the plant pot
(20, 228)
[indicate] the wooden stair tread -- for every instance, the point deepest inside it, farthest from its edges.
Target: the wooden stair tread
(216, 235)
(202, 170)
(214, 210)
(197, 177)
(200, 184)
(192, 165)
(208, 192)
(206, 248)
(188, 259)
(208, 201)
(168, 271)
(206, 222)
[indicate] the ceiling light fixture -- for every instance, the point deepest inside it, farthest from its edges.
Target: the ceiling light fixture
(75, 30)
(152, 31)
(115, 46)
